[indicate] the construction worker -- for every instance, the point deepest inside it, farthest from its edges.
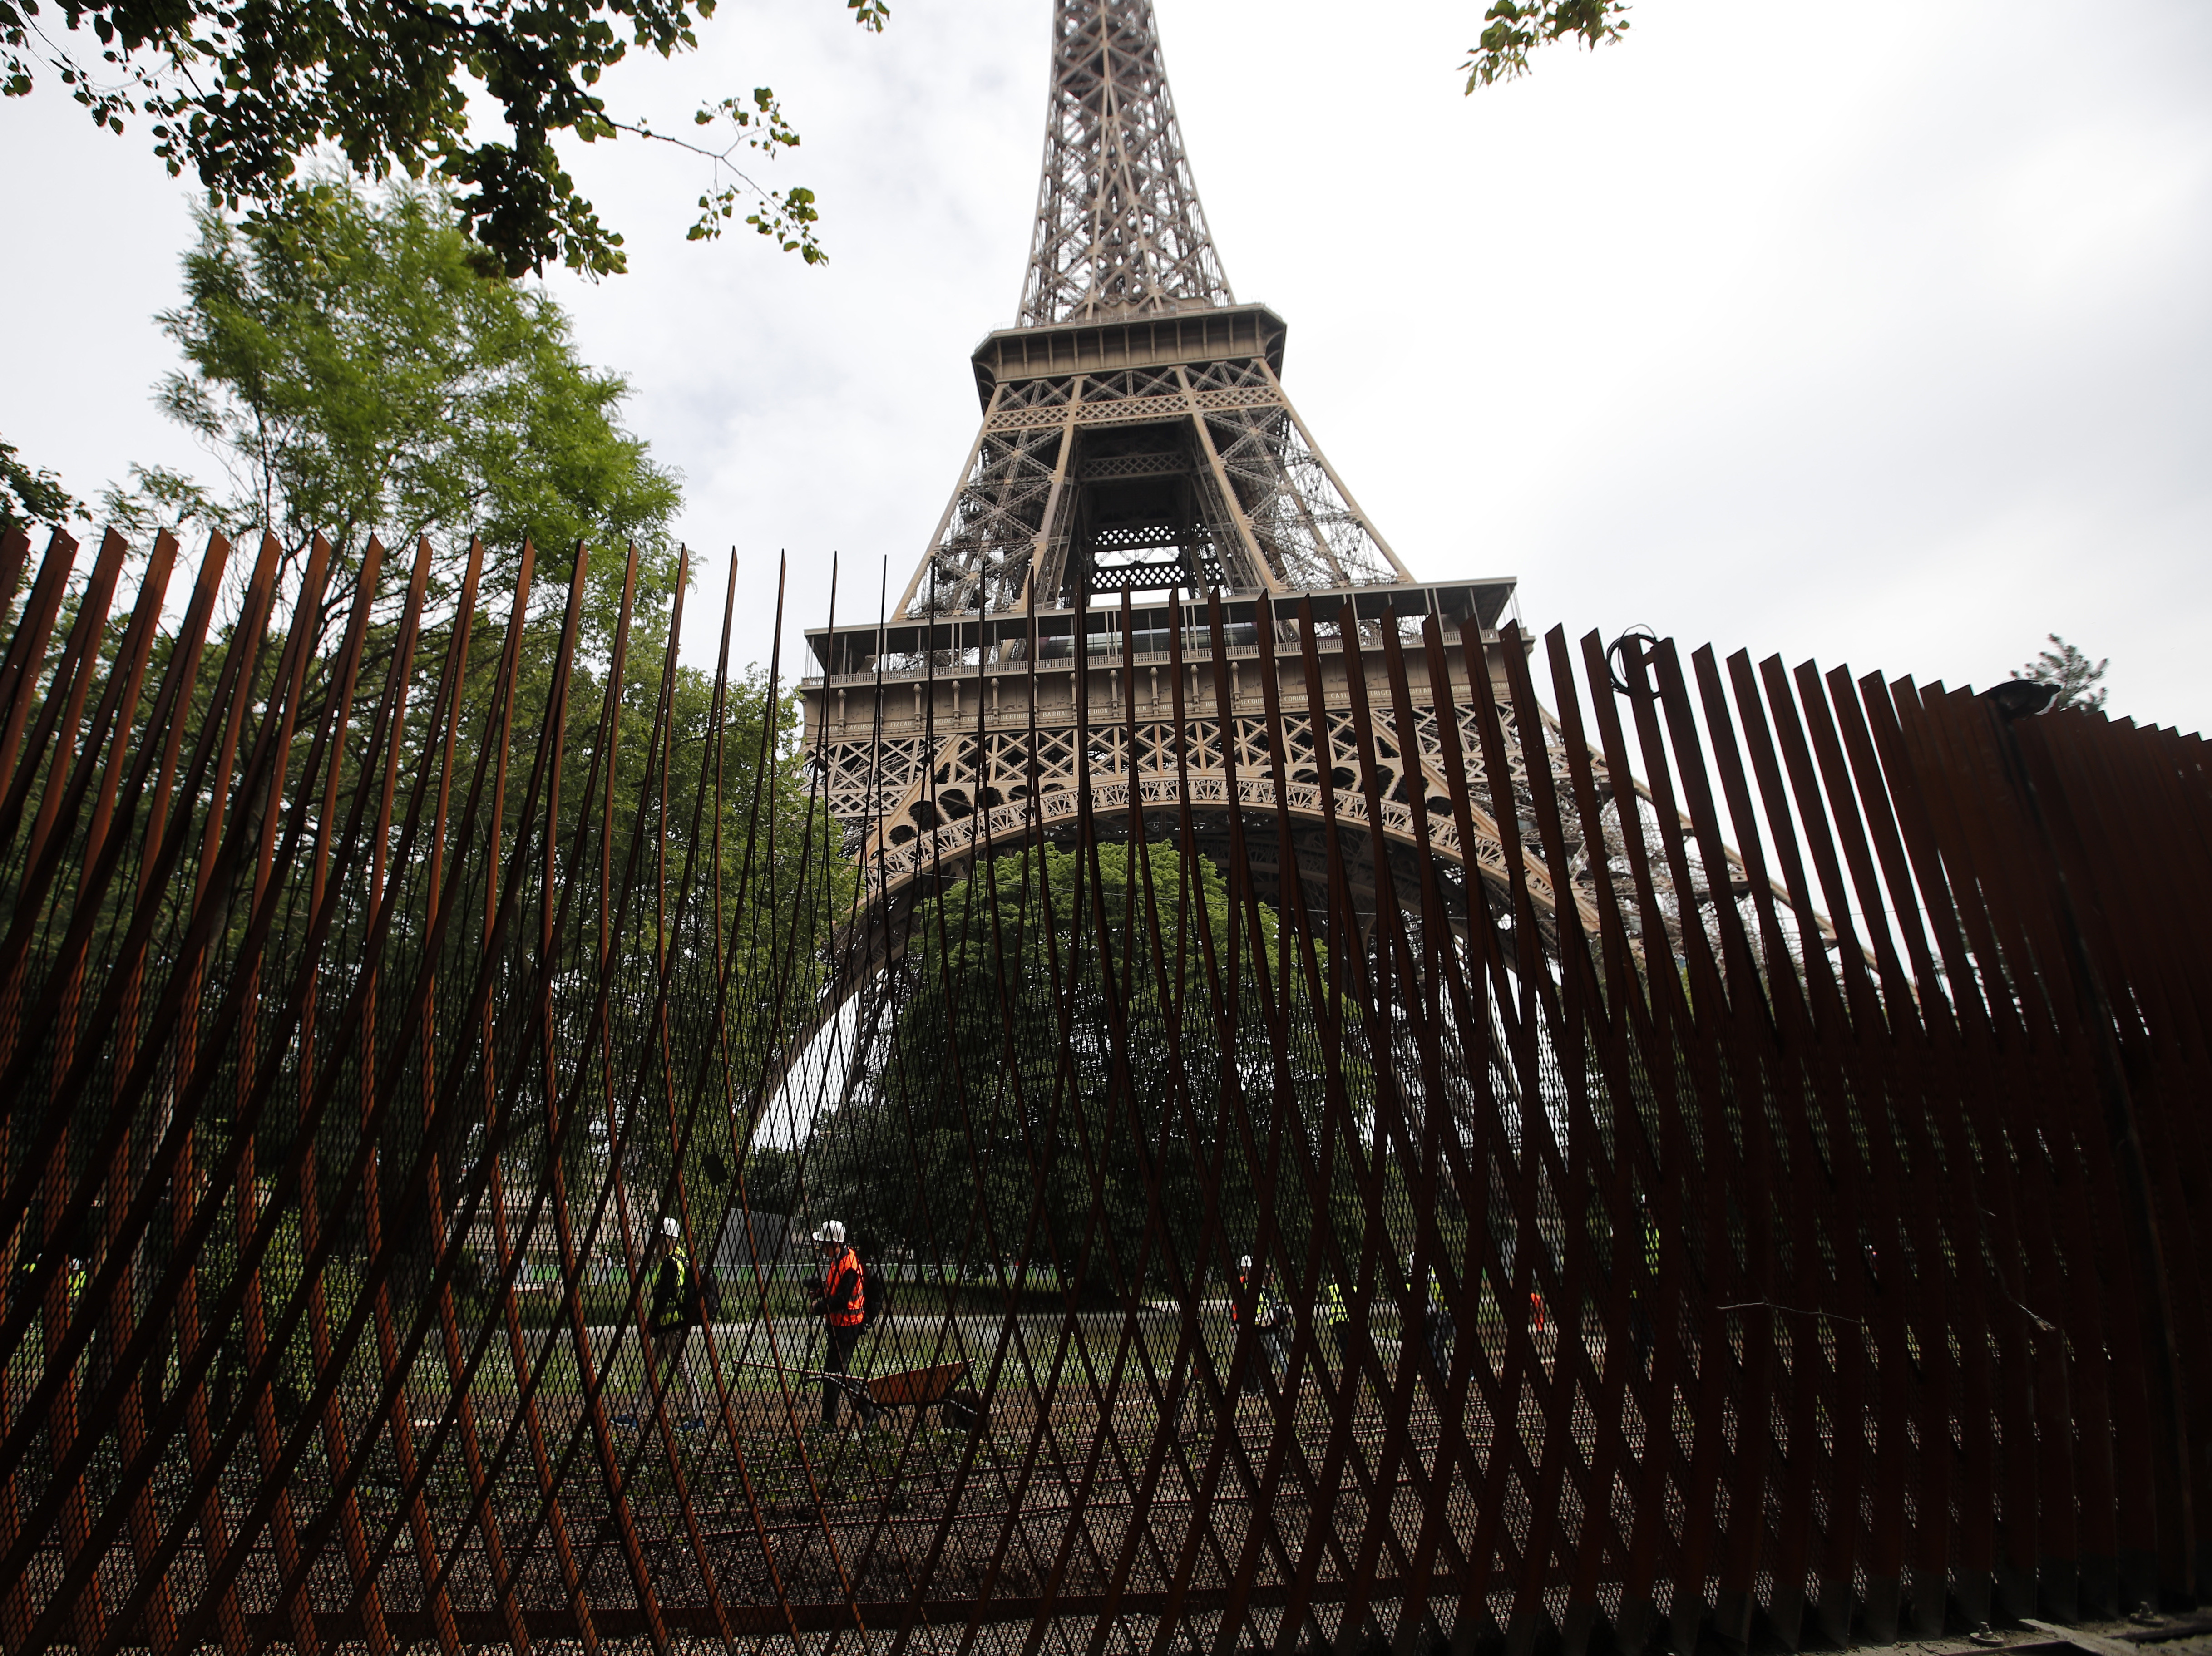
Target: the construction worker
(74, 1275)
(1640, 1299)
(1329, 1310)
(1184, 1381)
(1275, 1324)
(842, 1298)
(1271, 1320)
(1436, 1320)
(1240, 1306)
(675, 1302)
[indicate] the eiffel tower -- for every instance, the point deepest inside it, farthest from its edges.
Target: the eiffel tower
(1138, 454)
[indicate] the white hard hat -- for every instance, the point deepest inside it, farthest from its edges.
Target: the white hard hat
(831, 1230)
(1245, 1264)
(670, 1228)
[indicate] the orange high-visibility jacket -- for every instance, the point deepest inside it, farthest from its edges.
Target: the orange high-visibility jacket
(842, 1295)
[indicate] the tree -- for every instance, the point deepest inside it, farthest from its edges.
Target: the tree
(993, 1119)
(240, 90)
(32, 496)
(26, 496)
(1511, 29)
(354, 369)
(2074, 673)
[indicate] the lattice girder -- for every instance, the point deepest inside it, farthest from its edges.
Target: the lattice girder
(889, 787)
(1121, 237)
(1119, 226)
(1273, 514)
(908, 817)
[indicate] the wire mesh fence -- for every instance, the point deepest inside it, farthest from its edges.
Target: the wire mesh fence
(1769, 1203)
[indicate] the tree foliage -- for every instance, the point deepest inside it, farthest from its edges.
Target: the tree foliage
(28, 496)
(743, 864)
(1001, 1121)
(2076, 677)
(241, 90)
(1511, 29)
(356, 370)
(353, 369)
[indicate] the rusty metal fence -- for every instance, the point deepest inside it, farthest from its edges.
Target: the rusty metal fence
(1771, 1204)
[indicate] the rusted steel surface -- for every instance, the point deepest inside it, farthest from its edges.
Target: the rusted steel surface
(1802, 1236)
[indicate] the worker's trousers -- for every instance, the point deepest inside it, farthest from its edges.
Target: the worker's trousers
(676, 1385)
(1442, 1333)
(839, 1361)
(1347, 1353)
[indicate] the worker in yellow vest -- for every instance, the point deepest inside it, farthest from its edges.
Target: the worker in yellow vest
(675, 1298)
(1434, 1317)
(1331, 1312)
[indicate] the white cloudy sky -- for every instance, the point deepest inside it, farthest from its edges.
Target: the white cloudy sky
(1877, 332)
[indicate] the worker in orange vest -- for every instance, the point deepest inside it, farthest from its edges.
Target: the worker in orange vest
(842, 1298)
(1240, 1306)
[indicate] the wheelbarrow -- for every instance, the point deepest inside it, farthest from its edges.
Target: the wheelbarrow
(942, 1387)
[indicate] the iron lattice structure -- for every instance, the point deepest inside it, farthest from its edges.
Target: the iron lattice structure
(1119, 226)
(1817, 1254)
(1137, 449)
(1136, 436)
(1359, 1160)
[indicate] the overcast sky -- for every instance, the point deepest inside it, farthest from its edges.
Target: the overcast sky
(1878, 333)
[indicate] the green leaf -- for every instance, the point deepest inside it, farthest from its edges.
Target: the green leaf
(243, 93)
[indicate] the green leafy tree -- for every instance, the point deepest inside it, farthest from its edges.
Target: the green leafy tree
(353, 368)
(28, 496)
(241, 92)
(981, 1092)
(2077, 675)
(1511, 29)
